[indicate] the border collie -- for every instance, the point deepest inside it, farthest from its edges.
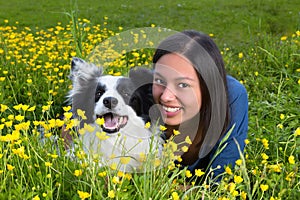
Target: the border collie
(123, 103)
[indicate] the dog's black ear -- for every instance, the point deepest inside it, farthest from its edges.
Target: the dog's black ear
(141, 76)
(142, 79)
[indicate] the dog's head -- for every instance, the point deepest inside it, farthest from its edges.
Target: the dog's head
(118, 100)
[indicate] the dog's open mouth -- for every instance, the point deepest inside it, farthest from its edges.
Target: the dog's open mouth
(113, 122)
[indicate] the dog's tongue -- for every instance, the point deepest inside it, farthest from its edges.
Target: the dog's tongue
(111, 121)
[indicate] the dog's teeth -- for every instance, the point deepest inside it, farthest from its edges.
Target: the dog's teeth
(120, 120)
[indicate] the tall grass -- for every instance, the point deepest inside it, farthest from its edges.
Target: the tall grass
(34, 76)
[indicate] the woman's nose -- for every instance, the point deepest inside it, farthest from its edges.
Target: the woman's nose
(167, 95)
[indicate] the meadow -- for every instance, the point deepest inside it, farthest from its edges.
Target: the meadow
(260, 44)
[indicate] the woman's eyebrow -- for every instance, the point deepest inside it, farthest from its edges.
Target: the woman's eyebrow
(158, 74)
(176, 79)
(184, 78)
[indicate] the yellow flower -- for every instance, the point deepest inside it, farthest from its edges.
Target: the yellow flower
(18, 107)
(157, 162)
(280, 126)
(89, 127)
(199, 172)
(102, 135)
(36, 197)
(188, 140)
(172, 146)
(100, 121)
(241, 55)
(228, 170)
(264, 156)
(19, 117)
(10, 167)
(125, 160)
(3, 107)
(292, 160)
(162, 128)
(239, 162)
(80, 154)
(116, 180)
(83, 195)
(175, 196)
(264, 187)
(73, 54)
(54, 156)
(283, 38)
(48, 164)
(184, 149)
(32, 108)
(243, 195)
(176, 132)
(147, 125)
(282, 116)
(67, 108)
(68, 115)
(25, 107)
(81, 114)
(29, 81)
(231, 187)
(142, 157)
(111, 194)
(247, 141)
(265, 142)
(275, 168)
(102, 174)
(290, 176)
(238, 179)
(45, 108)
(78, 172)
(128, 176)
(188, 173)
(113, 166)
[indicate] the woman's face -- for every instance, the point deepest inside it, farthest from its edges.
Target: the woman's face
(176, 89)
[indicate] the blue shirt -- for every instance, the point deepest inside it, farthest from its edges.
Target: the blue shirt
(238, 105)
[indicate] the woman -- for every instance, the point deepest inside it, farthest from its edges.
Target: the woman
(198, 99)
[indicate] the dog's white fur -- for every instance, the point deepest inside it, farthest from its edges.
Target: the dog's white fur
(133, 141)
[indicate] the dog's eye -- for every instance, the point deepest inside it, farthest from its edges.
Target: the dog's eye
(126, 93)
(98, 94)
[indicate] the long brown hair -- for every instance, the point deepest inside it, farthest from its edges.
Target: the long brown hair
(206, 58)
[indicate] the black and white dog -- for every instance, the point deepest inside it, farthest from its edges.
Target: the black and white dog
(123, 104)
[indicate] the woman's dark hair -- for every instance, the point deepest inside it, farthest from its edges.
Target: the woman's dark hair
(206, 58)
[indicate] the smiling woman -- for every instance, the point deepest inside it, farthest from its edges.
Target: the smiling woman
(197, 98)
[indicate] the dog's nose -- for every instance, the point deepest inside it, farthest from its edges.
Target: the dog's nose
(110, 102)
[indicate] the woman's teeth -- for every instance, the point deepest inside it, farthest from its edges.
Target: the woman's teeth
(170, 109)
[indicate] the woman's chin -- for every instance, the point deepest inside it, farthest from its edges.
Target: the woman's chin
(173, 121)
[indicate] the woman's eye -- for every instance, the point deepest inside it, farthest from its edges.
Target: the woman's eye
(183, 85)
(159, 81)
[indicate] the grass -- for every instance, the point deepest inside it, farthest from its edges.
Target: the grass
(35, 63)
(233, 22)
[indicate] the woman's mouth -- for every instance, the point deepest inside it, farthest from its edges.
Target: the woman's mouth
(170, 111)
